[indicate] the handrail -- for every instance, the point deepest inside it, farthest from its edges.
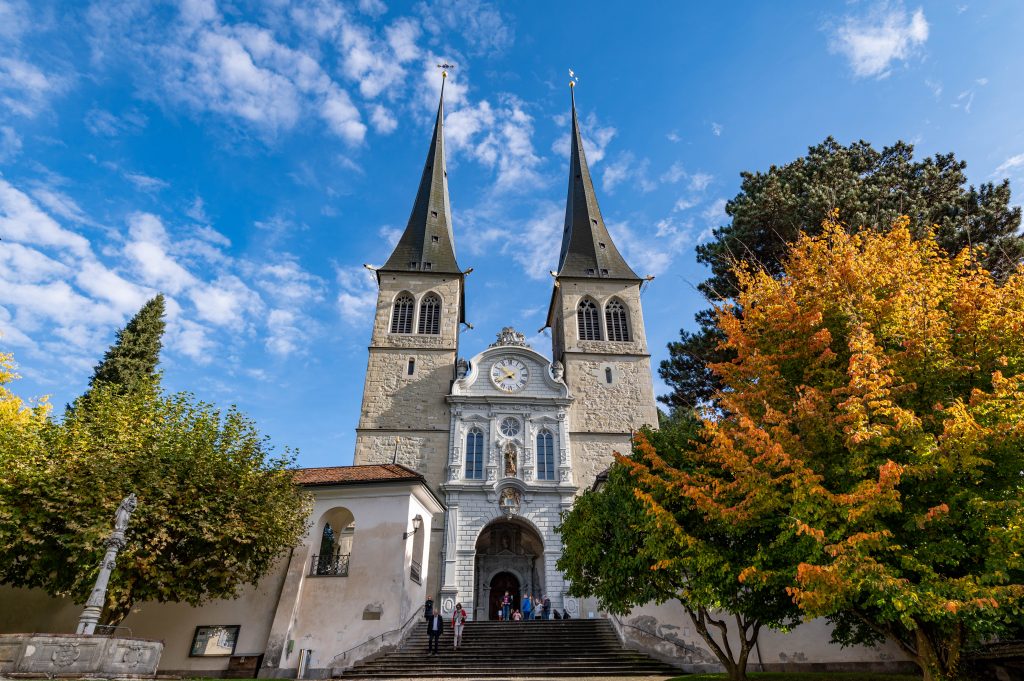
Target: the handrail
(415, 615)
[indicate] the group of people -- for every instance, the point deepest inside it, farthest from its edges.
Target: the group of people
(435, 625)
(533, 608)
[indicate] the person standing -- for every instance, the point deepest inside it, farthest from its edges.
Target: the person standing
(435, 625)
(506, 607)
(428, 607)
(458, 623)
(547, 607)
(527, 607)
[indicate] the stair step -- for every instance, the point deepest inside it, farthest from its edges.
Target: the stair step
(504, 649)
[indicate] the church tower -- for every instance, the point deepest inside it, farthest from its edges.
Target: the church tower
(404, 417)
(597, 328)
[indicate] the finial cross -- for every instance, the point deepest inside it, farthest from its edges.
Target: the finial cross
(573, 78)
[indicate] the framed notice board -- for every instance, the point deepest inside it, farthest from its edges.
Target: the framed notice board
(214, 640)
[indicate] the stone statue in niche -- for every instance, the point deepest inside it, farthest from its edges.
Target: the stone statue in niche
(557, 370)
(461, 368)
(510, 460)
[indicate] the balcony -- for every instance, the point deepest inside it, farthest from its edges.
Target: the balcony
(329, 565)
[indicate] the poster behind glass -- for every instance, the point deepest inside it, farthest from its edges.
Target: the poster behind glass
(215, 640)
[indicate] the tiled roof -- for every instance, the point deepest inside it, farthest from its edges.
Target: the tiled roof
(348, 475)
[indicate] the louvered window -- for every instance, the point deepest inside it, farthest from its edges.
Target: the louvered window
(545, 456)
(430, 314)
(475, 455)
(615, 321)
(587, 320)
(401, 314)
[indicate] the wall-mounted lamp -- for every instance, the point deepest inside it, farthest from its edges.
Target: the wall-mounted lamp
(417, 523)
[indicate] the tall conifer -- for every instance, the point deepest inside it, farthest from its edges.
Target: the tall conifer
(134, 355)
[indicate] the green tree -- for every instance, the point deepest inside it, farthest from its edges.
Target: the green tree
(870, 188)
(134, 356)
(216, 507)
(875, 404)
(638, 540)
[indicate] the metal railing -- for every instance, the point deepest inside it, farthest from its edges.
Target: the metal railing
(414, 571)
(329, 565)
(388, 640)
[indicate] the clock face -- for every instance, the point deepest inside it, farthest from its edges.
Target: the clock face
(509, 375)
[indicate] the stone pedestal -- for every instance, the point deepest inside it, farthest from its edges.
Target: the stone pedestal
(76, 655)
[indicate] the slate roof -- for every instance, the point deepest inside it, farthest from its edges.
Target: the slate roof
(349, 475)
(428, 235)
(587, 247)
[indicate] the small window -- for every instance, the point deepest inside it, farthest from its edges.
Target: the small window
(590, 270)
(545, 455)
(430, 312)
(602, 245)
(412, 367)
(594, 220)
(426, 267)
(433, 213)
(587, 320)
(475, 454)
(412, 264)
(435, 239)
(401, 314)
(608, 375)
(616, 321)
(604, 272)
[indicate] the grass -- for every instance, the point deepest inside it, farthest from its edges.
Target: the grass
(804, 676)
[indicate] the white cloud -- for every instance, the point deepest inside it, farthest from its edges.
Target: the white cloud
(390, 235)
(226, 302)
(700, 181)
(287, 282)
(191, 339)
(106, 124)
(675, 173)
(284, 332)
(673, 137)
(684, 203)
(872, 43)
(26, 264)
(716, 129)
(24, 88)
(22, 220)
(146, 183)
(147, 250)
(402, 36)
(368, 61)
(373, 8)
(357, 299)
(1012, 164)
(10, 143)
(480, 23)
(100, 282)
(533, 242)
(383, 120)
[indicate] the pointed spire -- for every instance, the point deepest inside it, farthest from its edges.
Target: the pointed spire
(427, 245)
(587, 247)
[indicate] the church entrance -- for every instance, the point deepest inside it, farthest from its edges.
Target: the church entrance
(500, 583)
(509, 557)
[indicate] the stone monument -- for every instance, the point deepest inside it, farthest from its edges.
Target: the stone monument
(85, 653)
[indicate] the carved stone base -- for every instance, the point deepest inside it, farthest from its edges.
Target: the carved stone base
(52, 655)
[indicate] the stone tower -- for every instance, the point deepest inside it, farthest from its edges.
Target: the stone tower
(597, 328)
(404, 417)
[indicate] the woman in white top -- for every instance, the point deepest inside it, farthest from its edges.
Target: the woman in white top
(458, 622)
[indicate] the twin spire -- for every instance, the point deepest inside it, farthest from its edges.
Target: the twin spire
(427, 245)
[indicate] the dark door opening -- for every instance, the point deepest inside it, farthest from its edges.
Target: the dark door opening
(500, 583)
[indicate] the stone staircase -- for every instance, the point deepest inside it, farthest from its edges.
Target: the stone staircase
(509, 649)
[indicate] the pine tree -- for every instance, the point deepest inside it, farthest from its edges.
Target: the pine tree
(134, 355)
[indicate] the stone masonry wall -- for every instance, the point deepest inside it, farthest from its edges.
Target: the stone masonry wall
(592, 453)
(624, 405)
(394, 400)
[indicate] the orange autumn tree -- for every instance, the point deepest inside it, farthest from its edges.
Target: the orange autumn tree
(876, 405)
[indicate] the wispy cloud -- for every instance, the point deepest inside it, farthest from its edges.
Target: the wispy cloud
(886, 34)
(1011, 165)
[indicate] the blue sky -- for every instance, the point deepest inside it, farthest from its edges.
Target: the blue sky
(247, 158)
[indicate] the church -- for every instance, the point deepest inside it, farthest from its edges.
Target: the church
(462, 468)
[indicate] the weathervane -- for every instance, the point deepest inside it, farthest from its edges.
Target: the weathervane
(573, 79)
(444, 68)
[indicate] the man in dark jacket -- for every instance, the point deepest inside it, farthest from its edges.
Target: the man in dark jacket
(435, 625)
(428, 608)
(546, 609)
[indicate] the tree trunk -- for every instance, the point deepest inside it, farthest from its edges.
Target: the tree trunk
(736, 669)
(938, 653)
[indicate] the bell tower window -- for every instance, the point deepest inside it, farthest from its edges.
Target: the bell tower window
(616, 321)
(587, 320)
(401, 314)
(430, 314)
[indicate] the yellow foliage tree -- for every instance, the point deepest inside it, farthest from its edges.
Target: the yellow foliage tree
(876, 405)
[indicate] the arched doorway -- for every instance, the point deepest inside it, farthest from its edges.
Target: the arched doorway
(509, 557)
(500, 583)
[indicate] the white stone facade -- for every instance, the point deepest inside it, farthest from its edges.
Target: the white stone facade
(486, 536)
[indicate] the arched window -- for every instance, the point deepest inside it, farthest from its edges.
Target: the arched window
(332, 560)
(545, 455)
(587, 320)
(401, 314)
(327, 541)
(615, 319)
(430, 314)
(475, 454)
